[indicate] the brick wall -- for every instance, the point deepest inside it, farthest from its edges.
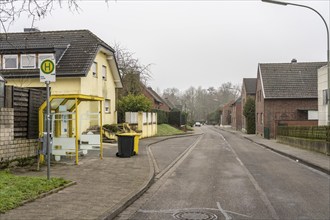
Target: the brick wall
(10, 148)
(237, 116)
(259, 108)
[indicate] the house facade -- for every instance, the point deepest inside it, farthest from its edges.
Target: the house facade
(85, 65)
(226, 113)
(286, 94)
(249, 87)
(323, 99)
(157, 102)
(236, 116)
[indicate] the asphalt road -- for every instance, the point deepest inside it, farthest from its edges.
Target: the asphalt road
(224, 176)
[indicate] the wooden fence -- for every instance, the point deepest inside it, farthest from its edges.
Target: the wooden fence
(26, 103)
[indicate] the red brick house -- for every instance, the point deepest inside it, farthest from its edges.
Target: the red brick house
(249, 87)
(226, 113)
(157, 101)
(236, 116)
(286, 95)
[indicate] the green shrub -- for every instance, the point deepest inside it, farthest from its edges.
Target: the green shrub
(249, 112)
(111, 127)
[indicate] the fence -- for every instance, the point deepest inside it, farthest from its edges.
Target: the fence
(310, 132)
(145, 122)
(26, 103)
(315, 138)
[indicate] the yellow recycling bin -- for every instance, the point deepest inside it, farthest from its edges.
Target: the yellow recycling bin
(128, 144)
(136, 143)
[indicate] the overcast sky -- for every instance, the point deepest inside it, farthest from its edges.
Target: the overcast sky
(200, 43)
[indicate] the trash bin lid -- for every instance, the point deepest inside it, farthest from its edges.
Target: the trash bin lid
(128, 134)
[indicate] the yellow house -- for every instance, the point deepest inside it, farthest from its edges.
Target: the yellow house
(85, 65)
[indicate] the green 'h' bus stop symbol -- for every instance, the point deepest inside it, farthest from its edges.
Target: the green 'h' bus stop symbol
(47, 66)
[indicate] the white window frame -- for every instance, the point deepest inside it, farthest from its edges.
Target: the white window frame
(104, 72)
(107, 106)
(28, 56)
(94, 69)
(45, 56)
(9, 56)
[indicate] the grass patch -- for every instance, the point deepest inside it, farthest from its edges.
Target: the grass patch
(165, 130)
(16, 189)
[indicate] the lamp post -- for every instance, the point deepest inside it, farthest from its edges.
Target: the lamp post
(328, 50)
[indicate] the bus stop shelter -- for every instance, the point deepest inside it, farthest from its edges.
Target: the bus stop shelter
(69, 102)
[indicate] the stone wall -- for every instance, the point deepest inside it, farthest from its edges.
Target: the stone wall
(10, 148)
(313, 145)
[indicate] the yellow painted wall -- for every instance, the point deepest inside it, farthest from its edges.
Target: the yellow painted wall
(61, 86)
(91, 85)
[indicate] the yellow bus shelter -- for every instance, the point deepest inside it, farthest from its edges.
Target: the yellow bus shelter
(70, 102)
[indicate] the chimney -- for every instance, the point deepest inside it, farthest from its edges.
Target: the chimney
(294, 60)
(28, 30)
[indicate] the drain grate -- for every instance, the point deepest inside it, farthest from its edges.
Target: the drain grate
(194, 215)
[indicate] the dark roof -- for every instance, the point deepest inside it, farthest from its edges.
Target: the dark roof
(250, 85)
(74, 50)
(290, 80)
(155, 95)
(169, 103)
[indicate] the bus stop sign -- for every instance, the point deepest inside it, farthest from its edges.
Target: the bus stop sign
(47, 71)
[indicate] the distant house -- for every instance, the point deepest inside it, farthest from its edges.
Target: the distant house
(85, 65)
(236, 116)
(226, 113)
(286, 95)
(323, 95)
(249, 87)
(157, 101)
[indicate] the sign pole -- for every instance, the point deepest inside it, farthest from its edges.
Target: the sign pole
(47, 75)
(48, 130)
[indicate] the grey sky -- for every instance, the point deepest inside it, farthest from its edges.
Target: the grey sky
(200, 43)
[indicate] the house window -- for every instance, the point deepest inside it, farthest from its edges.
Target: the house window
(325, 97)
(262, 118)
(10, 61)
(104, 72)
(107, 106)
(28, 61)
(94, 69)
(44, 56)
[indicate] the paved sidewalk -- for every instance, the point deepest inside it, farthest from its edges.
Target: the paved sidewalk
(103, 187)
(313, 159)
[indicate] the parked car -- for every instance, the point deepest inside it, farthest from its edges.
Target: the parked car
(198, 124)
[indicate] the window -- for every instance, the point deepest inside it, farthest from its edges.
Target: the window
(44, 56)
(107, 105)
(28, 61)
(94, 69)
(104, 72)
(10, 61)
(262, 118)
(325, 97)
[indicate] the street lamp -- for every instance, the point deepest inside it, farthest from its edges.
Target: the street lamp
(328, 50)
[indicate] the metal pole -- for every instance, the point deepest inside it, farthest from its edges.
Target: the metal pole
(48, 130)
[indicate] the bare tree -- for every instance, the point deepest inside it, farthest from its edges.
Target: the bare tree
(199, 103)
(133, 73)
(11, 10)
